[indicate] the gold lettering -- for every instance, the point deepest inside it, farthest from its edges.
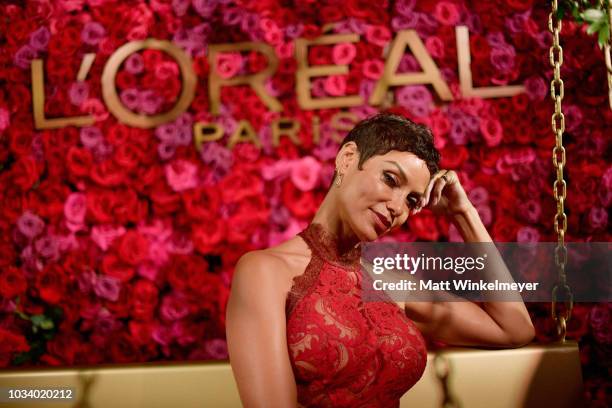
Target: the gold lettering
(206, 132)
(38, 102)
(285, 127)
(316, 129)
(305, 72)
(465, 72)
(124, 115)
(244, 133)
(430, 74)
(255, 81)
(342, 121)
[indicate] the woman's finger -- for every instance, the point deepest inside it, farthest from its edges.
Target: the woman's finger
(437, 191)
(427, 196)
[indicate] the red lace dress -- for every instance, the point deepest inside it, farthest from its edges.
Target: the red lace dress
(345, 352)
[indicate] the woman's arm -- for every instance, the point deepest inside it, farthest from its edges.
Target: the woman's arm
(495, 324)
(256, 333)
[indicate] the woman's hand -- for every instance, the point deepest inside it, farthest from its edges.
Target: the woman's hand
(445, 195)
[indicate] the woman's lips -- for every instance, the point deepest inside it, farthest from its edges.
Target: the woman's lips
(381, 221)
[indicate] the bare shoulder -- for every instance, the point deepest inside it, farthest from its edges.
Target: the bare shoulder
(270, 270)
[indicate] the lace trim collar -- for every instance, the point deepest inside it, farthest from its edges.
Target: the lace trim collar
(326, 245)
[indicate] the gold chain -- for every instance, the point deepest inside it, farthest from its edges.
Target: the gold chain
(607, 56)
(442, 368)
(559, 186)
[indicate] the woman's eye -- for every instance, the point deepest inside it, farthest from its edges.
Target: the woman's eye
(389, 179)
(412, 203)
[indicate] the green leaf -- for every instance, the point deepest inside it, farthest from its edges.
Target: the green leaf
(21, 358)
(593, 15)
(604, 36)
(42, 321)
(593, 28)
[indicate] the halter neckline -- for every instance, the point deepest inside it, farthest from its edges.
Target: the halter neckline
(327, 246)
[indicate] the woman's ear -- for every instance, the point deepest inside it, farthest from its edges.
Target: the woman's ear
(347, 157)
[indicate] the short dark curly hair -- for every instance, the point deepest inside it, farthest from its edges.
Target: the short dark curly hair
(384, 132)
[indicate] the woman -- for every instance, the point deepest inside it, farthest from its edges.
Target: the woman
(298, 333)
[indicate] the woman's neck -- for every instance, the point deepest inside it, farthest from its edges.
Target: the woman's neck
(329, 218)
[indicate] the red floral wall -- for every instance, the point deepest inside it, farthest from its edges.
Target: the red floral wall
(117, 244)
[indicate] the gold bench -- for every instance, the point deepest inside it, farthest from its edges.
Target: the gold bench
(533, 376)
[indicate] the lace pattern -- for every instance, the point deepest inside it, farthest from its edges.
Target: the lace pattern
(345, 352)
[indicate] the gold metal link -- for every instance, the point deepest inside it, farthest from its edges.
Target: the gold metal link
(556, 51)
(557, 93)
(557, 88)
(607, 56)
(560, 118)
(442, 368)
(558, 152)
(563, 185)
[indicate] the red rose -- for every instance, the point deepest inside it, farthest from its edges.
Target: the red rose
(453, 157)
(64, 346)
(108, 173)
(51, 284)
(120, 308)
(10, 345)
(123, 349)
(49, 199)
(142, 332)
(206, 236)
(12, 282)
(101, 205)
(424, 226)
(143, 300)
(79, 161)
(165, 200)
(505, 228)
(113, 266)
(302, 204)
(133, 248)
(202, 203)
(128, 155)
(7, 254)
(241, 183)
(24, 173)
(181, 270)
(20, 140)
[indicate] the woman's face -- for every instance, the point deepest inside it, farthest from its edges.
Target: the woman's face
(380, 197)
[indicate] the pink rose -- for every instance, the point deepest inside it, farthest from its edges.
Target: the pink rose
(75, 208)
(373, 69)
(93, 33)
(335, 85)
(107, 287)
(598, 218)
(228, 64)
(104, 235)
(478, 195)
(5, 119)
(435, 46)
(174, 307)
(485, 213)
(30, 224)
(343, 53)
(378, 35)
(527, 234)
(78, 92)
(305, 173)
(446, 13)
(181, 175)
(492, 131)
(277, 169)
